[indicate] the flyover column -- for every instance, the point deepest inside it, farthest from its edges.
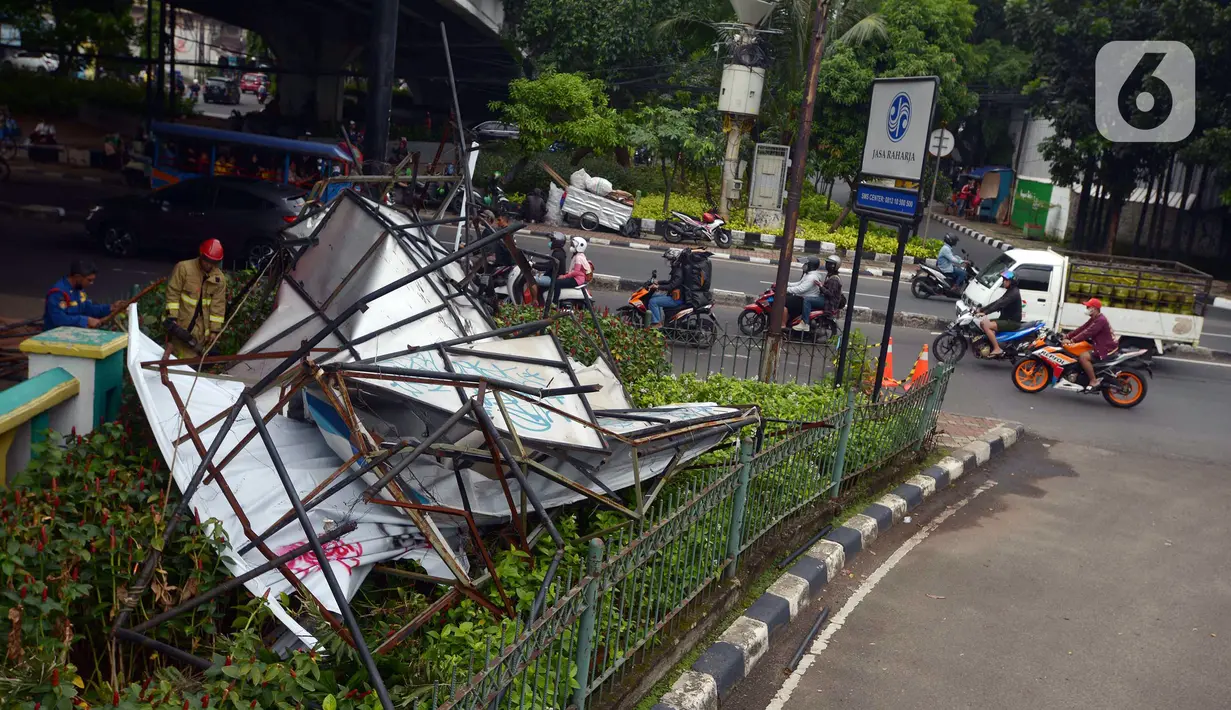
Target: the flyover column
(381, 56)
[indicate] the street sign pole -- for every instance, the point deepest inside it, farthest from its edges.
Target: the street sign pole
(940, 144)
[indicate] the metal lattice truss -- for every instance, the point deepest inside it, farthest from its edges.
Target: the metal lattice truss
(379, 414)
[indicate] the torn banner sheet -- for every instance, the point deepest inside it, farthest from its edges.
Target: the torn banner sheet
(382, 533)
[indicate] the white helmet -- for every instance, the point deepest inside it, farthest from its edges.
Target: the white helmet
(578, 244)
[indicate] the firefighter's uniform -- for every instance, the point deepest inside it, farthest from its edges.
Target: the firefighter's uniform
(197, 301)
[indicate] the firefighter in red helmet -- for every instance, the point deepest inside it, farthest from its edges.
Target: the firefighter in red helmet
(197, 302)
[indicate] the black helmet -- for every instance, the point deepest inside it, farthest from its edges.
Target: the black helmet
(811, 264)
(833, 263)
(951, 240)
(557, 240)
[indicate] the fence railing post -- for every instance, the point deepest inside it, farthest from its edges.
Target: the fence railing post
(736, 531)
(929, 408)
(589, 613)
(844, 436)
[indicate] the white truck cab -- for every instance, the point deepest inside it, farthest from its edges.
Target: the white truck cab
(1053, 286)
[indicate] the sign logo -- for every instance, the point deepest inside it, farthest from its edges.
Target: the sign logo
(1145, 92)
(899, 117)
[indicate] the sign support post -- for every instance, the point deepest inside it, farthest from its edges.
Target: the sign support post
(892, 151)
(940, 144)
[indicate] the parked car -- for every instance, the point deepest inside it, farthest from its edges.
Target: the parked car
(246, 214)
(494, 131)
(32, 61)
(221, 90)
(250, 83)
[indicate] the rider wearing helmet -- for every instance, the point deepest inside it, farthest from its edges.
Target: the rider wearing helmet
(196, 301)
(670, 290)
(814, 289)
(1009, 307)
(948, 264)
(557, 265)
(579, 271)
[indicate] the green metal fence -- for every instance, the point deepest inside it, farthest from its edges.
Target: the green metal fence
(645, 577)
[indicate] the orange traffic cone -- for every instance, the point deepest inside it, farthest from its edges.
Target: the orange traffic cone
(919, 371)
(888, 380)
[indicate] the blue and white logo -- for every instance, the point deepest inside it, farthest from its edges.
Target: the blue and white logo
(899, 117)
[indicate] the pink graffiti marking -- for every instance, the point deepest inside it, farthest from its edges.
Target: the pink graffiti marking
(346, 553)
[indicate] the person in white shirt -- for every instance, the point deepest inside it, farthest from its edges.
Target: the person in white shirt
(815, 288)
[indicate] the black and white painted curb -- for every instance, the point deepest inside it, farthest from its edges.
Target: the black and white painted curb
(733, 656)
(963, 229)
(43, 212)
(802, 247)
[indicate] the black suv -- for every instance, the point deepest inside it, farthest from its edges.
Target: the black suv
(245, 214)
(220, 90)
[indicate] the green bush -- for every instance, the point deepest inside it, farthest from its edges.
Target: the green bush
(502, 159)
(639, 352)
(58, 96)
(787, 401)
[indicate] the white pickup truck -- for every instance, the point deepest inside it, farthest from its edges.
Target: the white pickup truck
(1150, 304)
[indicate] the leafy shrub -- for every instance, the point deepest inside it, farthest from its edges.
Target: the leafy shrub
(786, 401)
(73, 533)
(814, 221)
(60, 96)
(639, 352)
(638, 177)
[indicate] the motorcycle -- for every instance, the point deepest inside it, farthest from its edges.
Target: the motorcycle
(709, 228)
(1052, 363)
(929, 281)
(965, 334)
(754, 320)
(684, 324)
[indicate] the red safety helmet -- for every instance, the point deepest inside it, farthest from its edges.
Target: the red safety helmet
(211, 250)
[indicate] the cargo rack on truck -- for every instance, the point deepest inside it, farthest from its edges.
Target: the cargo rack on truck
(1139, 284)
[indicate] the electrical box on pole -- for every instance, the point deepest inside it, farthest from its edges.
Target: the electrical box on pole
(741, 90)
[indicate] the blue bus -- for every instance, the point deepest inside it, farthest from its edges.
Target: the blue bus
(183, 151)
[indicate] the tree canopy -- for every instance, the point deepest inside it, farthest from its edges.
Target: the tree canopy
(561, 107)
(924, 38)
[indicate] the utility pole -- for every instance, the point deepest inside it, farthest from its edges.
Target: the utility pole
(799, 155)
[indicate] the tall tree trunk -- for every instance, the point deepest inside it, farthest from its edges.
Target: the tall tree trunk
(846, 209)
(666, 185)
(1115, 206)
(1181, 213)
(1141, 218)
(1159, 218)
(1084, 205)
(1195, 218)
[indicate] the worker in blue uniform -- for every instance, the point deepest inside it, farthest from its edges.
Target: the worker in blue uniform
(67, 302)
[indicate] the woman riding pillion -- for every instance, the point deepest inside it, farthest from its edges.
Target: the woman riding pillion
(814, 290)
(580, 269)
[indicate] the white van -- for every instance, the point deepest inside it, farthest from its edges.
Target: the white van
(1150, 304)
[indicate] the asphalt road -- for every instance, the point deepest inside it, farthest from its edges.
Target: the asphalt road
(247, 104)
(77, 198)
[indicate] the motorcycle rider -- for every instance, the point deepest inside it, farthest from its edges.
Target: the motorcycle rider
(668, 292)
(948, 264)
(1098, 332)
(558, 264)
(580, 269)
(1010, 308)
(814, 290)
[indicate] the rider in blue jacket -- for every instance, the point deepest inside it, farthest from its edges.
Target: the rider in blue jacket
(67, 303)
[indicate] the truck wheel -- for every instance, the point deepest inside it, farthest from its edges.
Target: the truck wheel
(589, 221)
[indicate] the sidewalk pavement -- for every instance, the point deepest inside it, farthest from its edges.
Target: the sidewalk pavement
(63, 171)
(746, 641)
